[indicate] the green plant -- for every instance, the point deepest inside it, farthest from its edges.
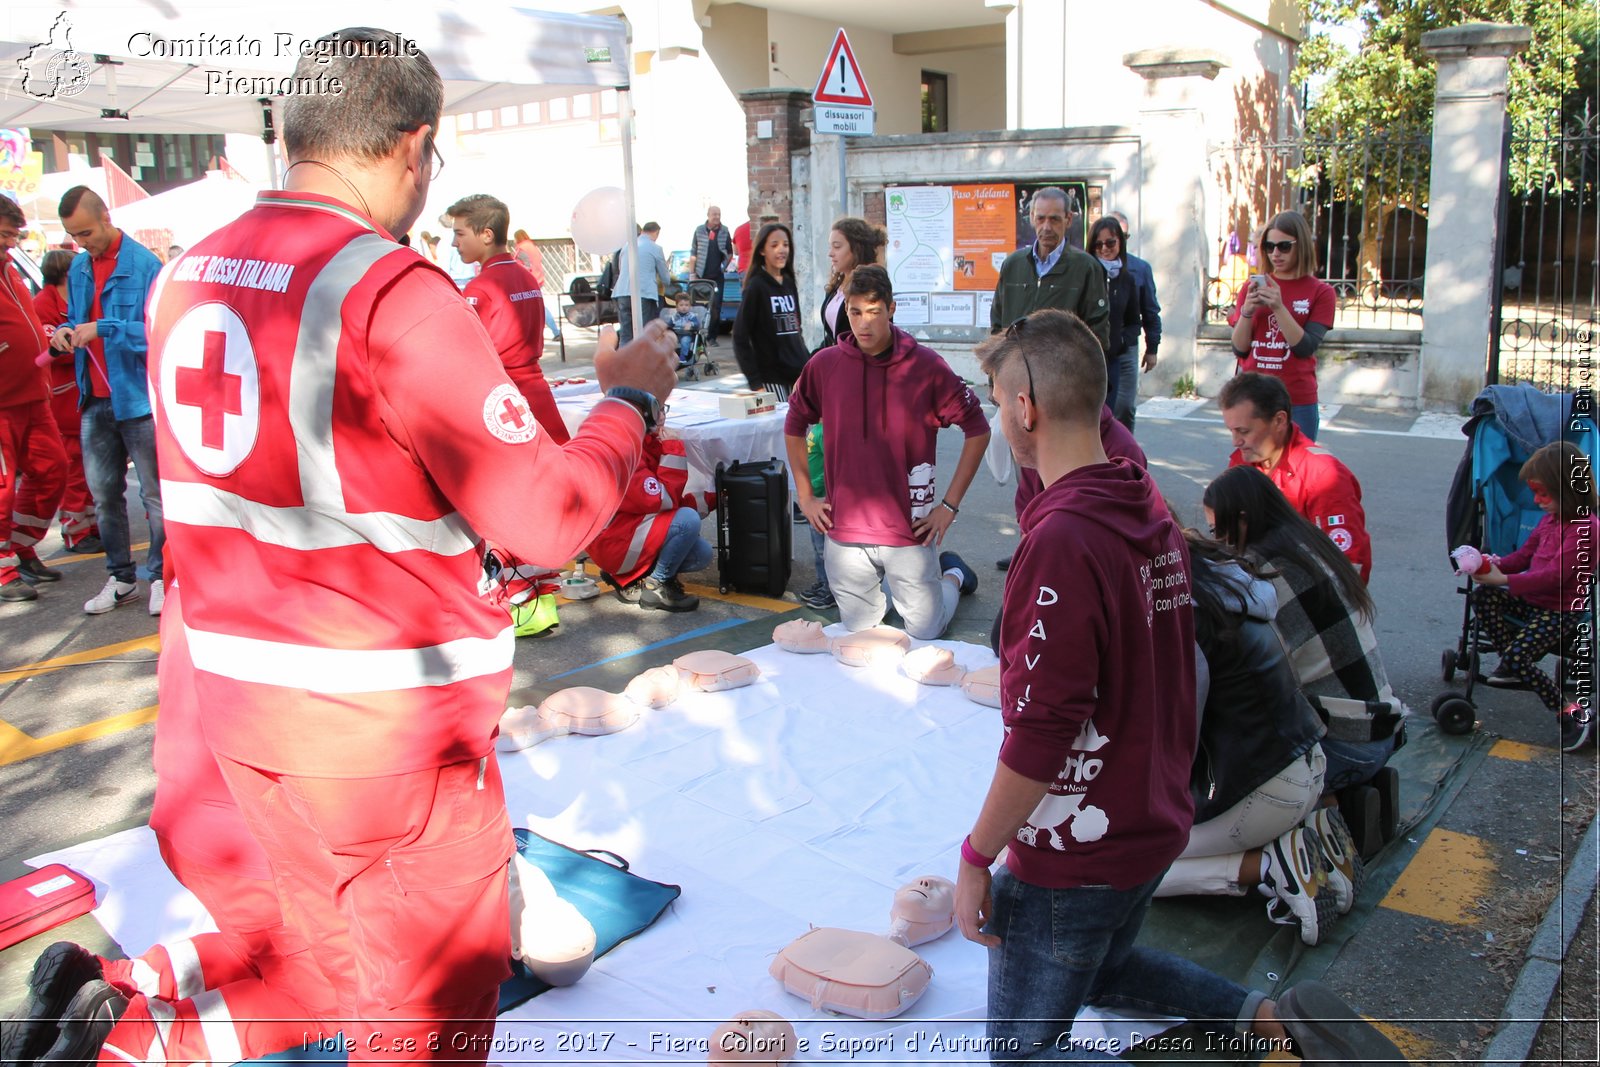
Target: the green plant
(1184, 388)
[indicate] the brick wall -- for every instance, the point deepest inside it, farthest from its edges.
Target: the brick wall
(768, 159)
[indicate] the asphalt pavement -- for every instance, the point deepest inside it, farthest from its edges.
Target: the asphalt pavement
(1450, 913)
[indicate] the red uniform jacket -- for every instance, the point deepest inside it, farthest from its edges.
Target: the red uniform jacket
(22, 381)
(1323, 490)
(508, 300)
(627, 548)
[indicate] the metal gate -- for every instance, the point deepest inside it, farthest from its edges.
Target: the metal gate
(1546, 312)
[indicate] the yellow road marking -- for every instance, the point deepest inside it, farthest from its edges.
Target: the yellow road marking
(16, 746)
(77, 557)
(1515, 750)
(148, 643)
(1448, 875)
(1417, 1049)
(711, 592)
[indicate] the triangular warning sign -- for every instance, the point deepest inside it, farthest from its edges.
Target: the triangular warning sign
(841, 81)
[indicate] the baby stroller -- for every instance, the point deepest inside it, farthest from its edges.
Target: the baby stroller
(700, 364)
(1492, 508)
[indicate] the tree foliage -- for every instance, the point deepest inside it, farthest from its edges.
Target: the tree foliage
(1386, 80)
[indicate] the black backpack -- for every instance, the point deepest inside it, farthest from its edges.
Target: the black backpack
(608, 280)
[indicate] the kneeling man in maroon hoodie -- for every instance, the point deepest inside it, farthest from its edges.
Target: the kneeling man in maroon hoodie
(882, 399)
(1090, 796)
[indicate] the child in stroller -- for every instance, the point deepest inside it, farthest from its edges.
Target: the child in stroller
(688, 326)
(1536, 600)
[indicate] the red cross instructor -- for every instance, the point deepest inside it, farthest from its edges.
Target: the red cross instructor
(347, 675)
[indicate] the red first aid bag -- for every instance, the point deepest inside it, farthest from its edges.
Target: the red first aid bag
(43, 899)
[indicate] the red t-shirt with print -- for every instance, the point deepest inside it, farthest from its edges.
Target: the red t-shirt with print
(1307, 299)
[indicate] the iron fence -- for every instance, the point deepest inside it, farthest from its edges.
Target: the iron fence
(1366, 200)
(1547, 311)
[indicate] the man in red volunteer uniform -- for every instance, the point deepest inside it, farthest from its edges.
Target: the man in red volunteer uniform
(1256, 409)
(506, 296)
(337, 436)
(79, 533)
(33, 464)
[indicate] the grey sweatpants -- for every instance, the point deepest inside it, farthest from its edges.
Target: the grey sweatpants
(858, 573)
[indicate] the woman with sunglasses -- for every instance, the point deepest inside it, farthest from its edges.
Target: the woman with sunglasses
(1109, 245)
(1282, 317)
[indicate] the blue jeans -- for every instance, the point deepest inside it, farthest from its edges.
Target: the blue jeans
(550, 321)
(1354, 762)
(684, 549)
(819, 544)
(1122, 386)
(107, 446)
(1063, 948)
(1308, 418)
(650, 309)
(685, 347)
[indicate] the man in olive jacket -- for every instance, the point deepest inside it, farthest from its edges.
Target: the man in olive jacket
(1051, 273)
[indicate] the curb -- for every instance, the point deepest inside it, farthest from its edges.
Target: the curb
(1536, 984)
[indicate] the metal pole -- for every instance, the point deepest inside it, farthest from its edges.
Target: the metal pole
(1497, 288)
(844, 188)
(631, 244)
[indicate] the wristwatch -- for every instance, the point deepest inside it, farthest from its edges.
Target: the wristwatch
(648, 405)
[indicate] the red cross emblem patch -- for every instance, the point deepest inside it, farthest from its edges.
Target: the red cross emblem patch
(211, 389)
(507, 415)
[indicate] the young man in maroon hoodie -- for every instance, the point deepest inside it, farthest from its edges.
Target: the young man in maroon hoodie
(1091, 791)
(883, 399)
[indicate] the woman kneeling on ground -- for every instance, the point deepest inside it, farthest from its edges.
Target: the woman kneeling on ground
(1258, 772)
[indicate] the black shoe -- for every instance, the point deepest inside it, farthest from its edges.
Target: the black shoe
(1577, 729)
(1003, 564)
(628, 594)
(88, 546)
(93, 1011)
(1504, 679)
(18, 590)
(712, 343)
(949, 561)
(666, 596)
(34, 571)
(59, 972)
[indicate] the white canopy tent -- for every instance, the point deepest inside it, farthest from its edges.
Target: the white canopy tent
(194, 66)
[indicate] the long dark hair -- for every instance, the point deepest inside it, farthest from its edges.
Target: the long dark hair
(1563, 470)
(864, 240)
(1251, 514)
(1219, 605)
(758, 260)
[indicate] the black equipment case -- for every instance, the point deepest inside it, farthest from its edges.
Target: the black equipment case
(754, 531)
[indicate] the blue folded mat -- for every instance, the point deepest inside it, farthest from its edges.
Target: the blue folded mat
(617, 904)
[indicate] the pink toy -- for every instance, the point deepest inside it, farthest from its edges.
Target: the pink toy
(547, 933)
(43, 358)
(800, 636)
(923, 910)
(983, 686)
(852, 973)
(881, 646)
(1470, 561)
(711, 670)
(758, 1037)
(932, 665)
(579, 710)
(655, 688)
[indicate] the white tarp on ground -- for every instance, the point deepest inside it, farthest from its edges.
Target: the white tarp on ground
(805, 799)
(489, 55)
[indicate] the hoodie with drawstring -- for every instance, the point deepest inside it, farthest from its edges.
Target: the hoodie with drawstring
(1097, 680)
(883, 414)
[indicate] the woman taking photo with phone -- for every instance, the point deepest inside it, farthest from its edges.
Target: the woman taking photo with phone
(1282, 316)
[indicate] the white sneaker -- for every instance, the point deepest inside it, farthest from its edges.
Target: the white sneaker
(115, 594)
(158, 596)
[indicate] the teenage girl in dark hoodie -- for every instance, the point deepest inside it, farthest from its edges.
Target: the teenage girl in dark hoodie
(767, 340)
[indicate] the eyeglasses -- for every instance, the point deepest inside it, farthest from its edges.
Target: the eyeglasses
(1013, 332)
(1109, 242)
(432, 148)
(1270, 247)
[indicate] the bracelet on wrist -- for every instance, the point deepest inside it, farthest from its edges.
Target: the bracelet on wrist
(949, 507)
(973, 856)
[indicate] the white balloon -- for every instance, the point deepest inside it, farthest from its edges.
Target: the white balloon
(600, 221)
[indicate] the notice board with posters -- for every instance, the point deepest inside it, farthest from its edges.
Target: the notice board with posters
(946, 244)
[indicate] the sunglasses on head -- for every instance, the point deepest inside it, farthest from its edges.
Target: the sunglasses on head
(1270, 247)
(1012, 333)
